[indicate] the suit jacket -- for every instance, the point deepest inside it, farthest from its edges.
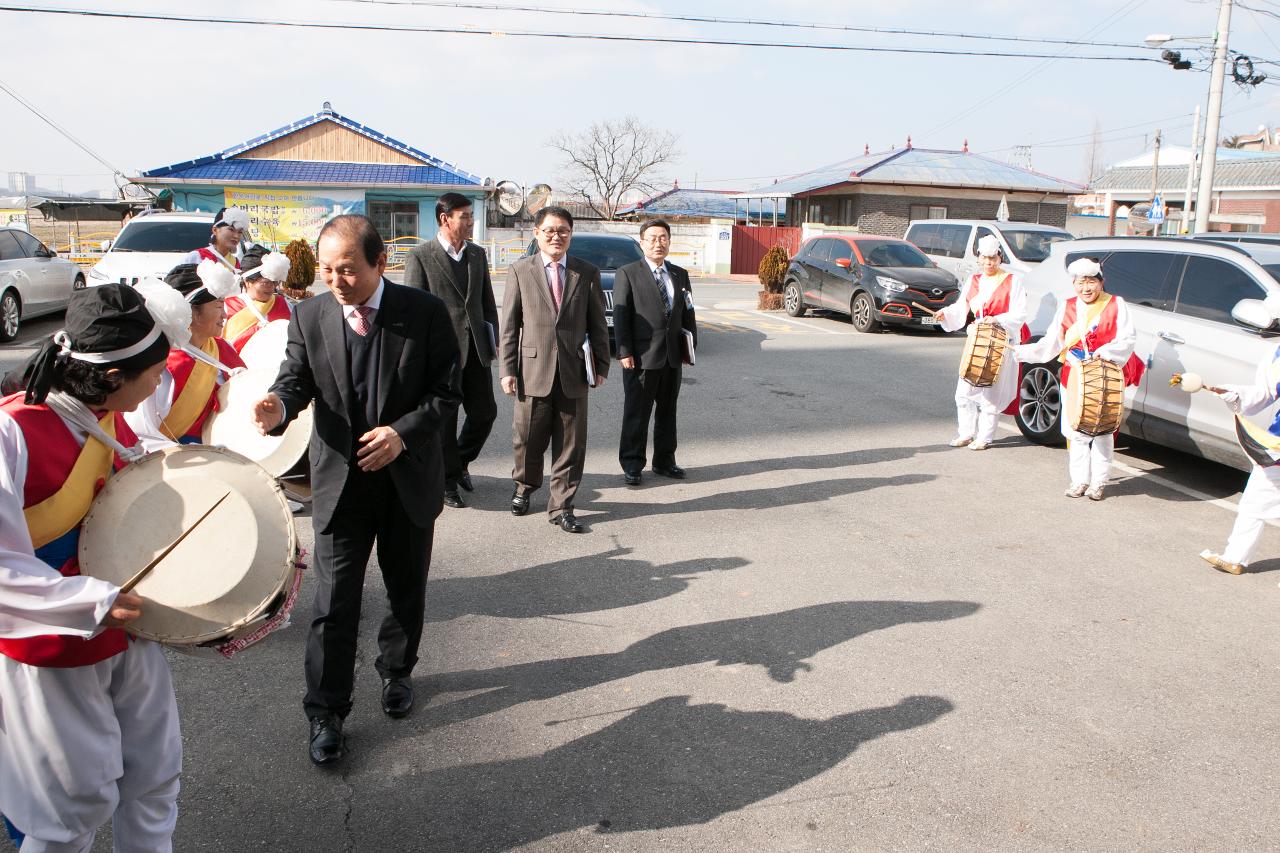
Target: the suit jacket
(418, 362)
(537, 343)
(641, 328)
(428, 268)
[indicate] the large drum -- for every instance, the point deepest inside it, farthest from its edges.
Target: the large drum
(983, 354)
(1095, 396)
(232, 578)
(266, 347)
(232, 425)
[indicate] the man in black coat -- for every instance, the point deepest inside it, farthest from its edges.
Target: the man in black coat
(457, 270)
(379, 363)
(656, 332)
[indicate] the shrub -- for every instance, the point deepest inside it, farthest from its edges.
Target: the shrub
(302, 269)
(773, 269)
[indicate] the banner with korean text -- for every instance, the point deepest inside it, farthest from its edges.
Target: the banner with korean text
(277, 216)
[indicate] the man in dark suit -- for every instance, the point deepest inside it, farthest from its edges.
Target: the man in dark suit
(457, 270)
(654, 325)
(379, 363)
(551, 306)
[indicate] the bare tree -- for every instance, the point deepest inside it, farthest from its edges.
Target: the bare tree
(613, 158)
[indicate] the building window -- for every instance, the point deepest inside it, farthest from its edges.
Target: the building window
(927, 211)
(394, 218)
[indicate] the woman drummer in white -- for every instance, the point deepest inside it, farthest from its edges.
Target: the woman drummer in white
(992, 295)
(1092, 324)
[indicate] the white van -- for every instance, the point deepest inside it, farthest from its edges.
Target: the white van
(953, 243)
(151, 245)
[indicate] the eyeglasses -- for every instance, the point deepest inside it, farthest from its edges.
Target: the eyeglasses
(658, 238)
(556, 232)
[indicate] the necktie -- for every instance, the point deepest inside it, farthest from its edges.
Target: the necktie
(360, 320)
(557, 288)
(659, 276)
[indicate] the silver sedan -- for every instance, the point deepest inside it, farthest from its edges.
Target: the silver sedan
(33, 280)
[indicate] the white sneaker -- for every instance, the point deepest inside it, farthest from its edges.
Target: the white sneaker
(961, 441)
(1094, 493)
(1220, 564)
(979, 445)
(1076, 490)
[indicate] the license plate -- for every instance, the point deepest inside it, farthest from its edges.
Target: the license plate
(928, 321)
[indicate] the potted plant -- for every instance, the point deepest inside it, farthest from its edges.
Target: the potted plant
(302, 269)
(772, 272)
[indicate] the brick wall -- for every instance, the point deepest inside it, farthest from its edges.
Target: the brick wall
(1269, 208)
(890, 215)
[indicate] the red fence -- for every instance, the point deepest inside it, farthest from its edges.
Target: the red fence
(751, 242)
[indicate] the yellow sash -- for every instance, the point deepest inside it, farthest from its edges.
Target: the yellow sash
(193, 398)
(59, 513)
(244, 318)
(1073, 335)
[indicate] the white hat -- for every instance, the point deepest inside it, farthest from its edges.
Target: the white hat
(1084, 268)
(235, 217)
(988, 246)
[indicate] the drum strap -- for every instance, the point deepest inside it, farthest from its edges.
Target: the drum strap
(254, 312)
(59, 513)
(1082, 322)
(194, 396)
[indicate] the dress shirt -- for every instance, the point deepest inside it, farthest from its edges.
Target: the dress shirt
(456, 254)
(665, 281)
(546, 262)
(372, 303)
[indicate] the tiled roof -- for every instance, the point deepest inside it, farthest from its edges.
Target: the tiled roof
(920, 166)
(309, 172)
(433, 170)
(678, 201)
(1250, 172)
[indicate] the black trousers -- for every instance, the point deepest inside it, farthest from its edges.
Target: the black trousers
(461, 449)
(648, 392)
(369, 511)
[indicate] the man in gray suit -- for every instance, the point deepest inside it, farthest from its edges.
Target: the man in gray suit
(551, 307)
(457, 270)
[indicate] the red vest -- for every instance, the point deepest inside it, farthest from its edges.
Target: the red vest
(1102, 334)
(998, 302)
(210, 255)
(233, 305)
(179, 365)
(51, 454)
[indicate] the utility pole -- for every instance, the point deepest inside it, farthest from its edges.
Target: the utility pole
(1155, 178)
(1191, 172)
(1214, 117)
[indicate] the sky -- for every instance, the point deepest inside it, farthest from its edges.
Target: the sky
(144, 94)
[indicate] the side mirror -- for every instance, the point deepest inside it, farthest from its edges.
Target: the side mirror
(844, 263)
(1254, 313)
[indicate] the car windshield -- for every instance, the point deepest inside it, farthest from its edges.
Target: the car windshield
(1274, 269)
(605, 254)
(143, 236)
(1032, 246)
(892, 253)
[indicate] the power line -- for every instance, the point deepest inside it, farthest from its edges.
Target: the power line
(475, 31)
(703, 19)
(59, 128)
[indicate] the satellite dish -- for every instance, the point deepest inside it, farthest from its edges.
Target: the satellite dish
(510, 198)
(538, 197)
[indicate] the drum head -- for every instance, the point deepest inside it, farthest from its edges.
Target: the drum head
(232, 425)
(229, 568)
(266, 347)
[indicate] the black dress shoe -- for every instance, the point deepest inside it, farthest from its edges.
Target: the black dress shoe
(397, 697)
(327, 744)
(453, 499)
(464, 480)
(566, 522)
(519, 504)
(631, 478)
(675, 472)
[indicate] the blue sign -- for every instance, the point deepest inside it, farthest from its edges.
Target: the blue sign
(1156, 216)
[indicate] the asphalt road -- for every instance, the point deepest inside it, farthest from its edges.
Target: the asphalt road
(838, 634)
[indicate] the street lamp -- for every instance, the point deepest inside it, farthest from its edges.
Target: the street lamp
(1209, 158)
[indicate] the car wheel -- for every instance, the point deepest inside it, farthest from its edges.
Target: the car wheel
(862, 312)
(10, 316)
(793, 299)
(78, 284)
(1040, 405)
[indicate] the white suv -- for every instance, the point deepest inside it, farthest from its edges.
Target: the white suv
(151, 245)
(953, 243)
(1185, 297)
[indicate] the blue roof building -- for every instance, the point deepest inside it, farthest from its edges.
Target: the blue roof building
(678, 203)
(881, 193)
(294, 178)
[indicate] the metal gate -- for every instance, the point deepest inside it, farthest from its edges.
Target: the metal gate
(750, 242)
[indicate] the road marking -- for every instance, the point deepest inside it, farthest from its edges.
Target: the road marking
(802, 324)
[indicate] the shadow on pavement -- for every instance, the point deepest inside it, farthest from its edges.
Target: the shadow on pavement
(587, 584)
(666, 764)
(780, 643)
(815, 462)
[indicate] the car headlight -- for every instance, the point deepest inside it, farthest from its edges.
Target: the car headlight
(98, 274)
(891, 284)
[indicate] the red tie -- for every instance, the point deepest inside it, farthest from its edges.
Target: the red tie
(557, 289)
(360, 320)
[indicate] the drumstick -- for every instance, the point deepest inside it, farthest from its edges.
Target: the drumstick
(146, 570)
(927, 310)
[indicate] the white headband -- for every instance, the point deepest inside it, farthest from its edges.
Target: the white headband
(63, 340)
